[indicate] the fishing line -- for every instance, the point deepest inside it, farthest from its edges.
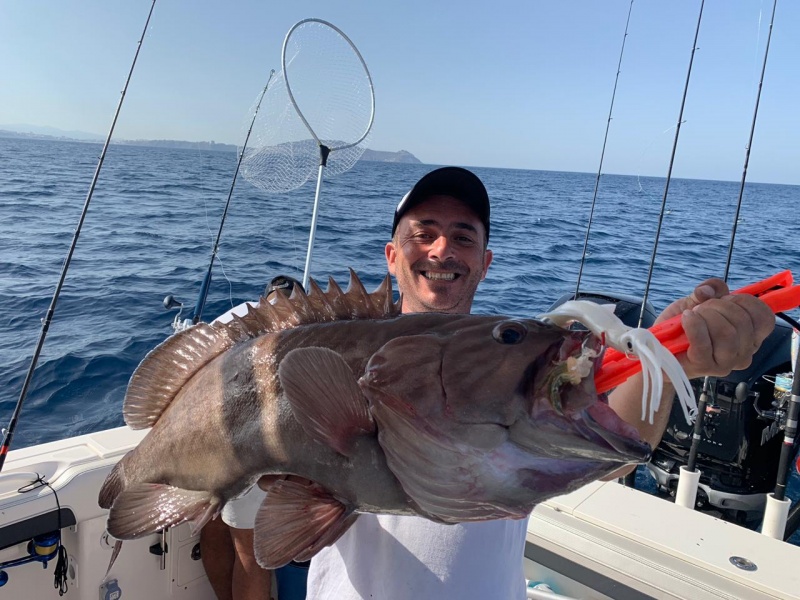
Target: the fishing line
(322, 113)
(8, 433)
(218, 257)
(644, 152)
(749, 144)
(671, 164)
(230, 284)
(602, 153)
(201, 298)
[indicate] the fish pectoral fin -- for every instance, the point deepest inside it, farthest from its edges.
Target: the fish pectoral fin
(325, 398)
(145, 508)
(296, 520)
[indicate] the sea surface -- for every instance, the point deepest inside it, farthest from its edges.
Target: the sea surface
(155, 213)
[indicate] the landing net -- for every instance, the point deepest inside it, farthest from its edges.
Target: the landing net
(322, 96)
(319, 115)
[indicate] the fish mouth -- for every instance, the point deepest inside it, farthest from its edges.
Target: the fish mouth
(570, 419)
(601, 419)
(574, 396)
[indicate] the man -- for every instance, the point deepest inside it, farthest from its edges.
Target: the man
(226, 543)
(439, 255)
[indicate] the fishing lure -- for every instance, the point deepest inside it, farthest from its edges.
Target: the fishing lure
(654, 359)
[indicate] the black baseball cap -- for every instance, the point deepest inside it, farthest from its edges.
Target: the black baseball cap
(448, 181)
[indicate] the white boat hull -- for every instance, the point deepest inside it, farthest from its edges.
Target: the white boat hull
(76, 468)
(608, 541)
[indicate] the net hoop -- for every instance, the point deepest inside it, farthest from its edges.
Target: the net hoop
(289, 87)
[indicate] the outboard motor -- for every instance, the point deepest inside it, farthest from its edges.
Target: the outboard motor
(742, 437)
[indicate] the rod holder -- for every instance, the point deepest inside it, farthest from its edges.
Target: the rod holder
(686, 494)
(775, 516)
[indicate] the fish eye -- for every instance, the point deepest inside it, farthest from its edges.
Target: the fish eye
(510, 332)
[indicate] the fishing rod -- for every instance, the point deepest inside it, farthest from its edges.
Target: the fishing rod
(8, 434)
(671, 164)
(688, 490)
(201, 297)
(777, 512)
(602, 154)
(792, 519)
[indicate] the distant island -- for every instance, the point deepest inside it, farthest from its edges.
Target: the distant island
(401, 156)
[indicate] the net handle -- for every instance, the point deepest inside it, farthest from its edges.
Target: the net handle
(289, 87)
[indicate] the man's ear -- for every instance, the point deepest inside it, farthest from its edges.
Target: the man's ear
(487, 260)
(391, 255)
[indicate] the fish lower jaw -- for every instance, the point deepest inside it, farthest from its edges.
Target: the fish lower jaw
(621, 436)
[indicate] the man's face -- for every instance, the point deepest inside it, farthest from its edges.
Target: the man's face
(438, 256)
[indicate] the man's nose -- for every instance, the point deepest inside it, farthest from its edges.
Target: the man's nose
(441, 248)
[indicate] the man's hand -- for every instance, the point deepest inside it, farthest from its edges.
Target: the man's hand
(724, 330)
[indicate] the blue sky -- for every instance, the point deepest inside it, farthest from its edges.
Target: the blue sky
(523, 84)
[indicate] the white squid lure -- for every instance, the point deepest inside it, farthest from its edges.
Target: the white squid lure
(635, 343)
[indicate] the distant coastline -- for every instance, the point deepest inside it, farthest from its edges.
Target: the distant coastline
(401, 156)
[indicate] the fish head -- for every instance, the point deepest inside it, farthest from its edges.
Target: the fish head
(503, 410)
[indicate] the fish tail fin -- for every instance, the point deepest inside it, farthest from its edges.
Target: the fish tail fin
(112, 486)
(145, 508)
(296, 520)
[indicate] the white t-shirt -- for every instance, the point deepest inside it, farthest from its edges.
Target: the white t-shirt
(410, 558)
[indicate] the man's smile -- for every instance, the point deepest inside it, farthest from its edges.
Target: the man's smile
(435, 276)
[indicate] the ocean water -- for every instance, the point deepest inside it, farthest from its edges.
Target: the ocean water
(155, 213)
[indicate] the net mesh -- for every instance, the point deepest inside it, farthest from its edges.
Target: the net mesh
(333, 92)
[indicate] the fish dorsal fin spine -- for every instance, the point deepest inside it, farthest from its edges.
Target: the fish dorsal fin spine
(167, 368)
(320, 299)
(318, 307)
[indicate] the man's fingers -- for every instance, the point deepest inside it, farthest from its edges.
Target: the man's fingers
(700, 346)
(734, 333)
(705, 291)
(724, 333)
(715, 341)
(762, 316)
(709, 289)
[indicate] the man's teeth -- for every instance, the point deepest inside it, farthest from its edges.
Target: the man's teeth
(439, 276)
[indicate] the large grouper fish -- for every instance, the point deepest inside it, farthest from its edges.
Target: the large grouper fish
(338, 404)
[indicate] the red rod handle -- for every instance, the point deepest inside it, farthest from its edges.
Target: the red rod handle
(617, 368)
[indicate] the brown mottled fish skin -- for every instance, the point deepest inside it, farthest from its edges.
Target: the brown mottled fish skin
(231, 424)
(455, 420)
